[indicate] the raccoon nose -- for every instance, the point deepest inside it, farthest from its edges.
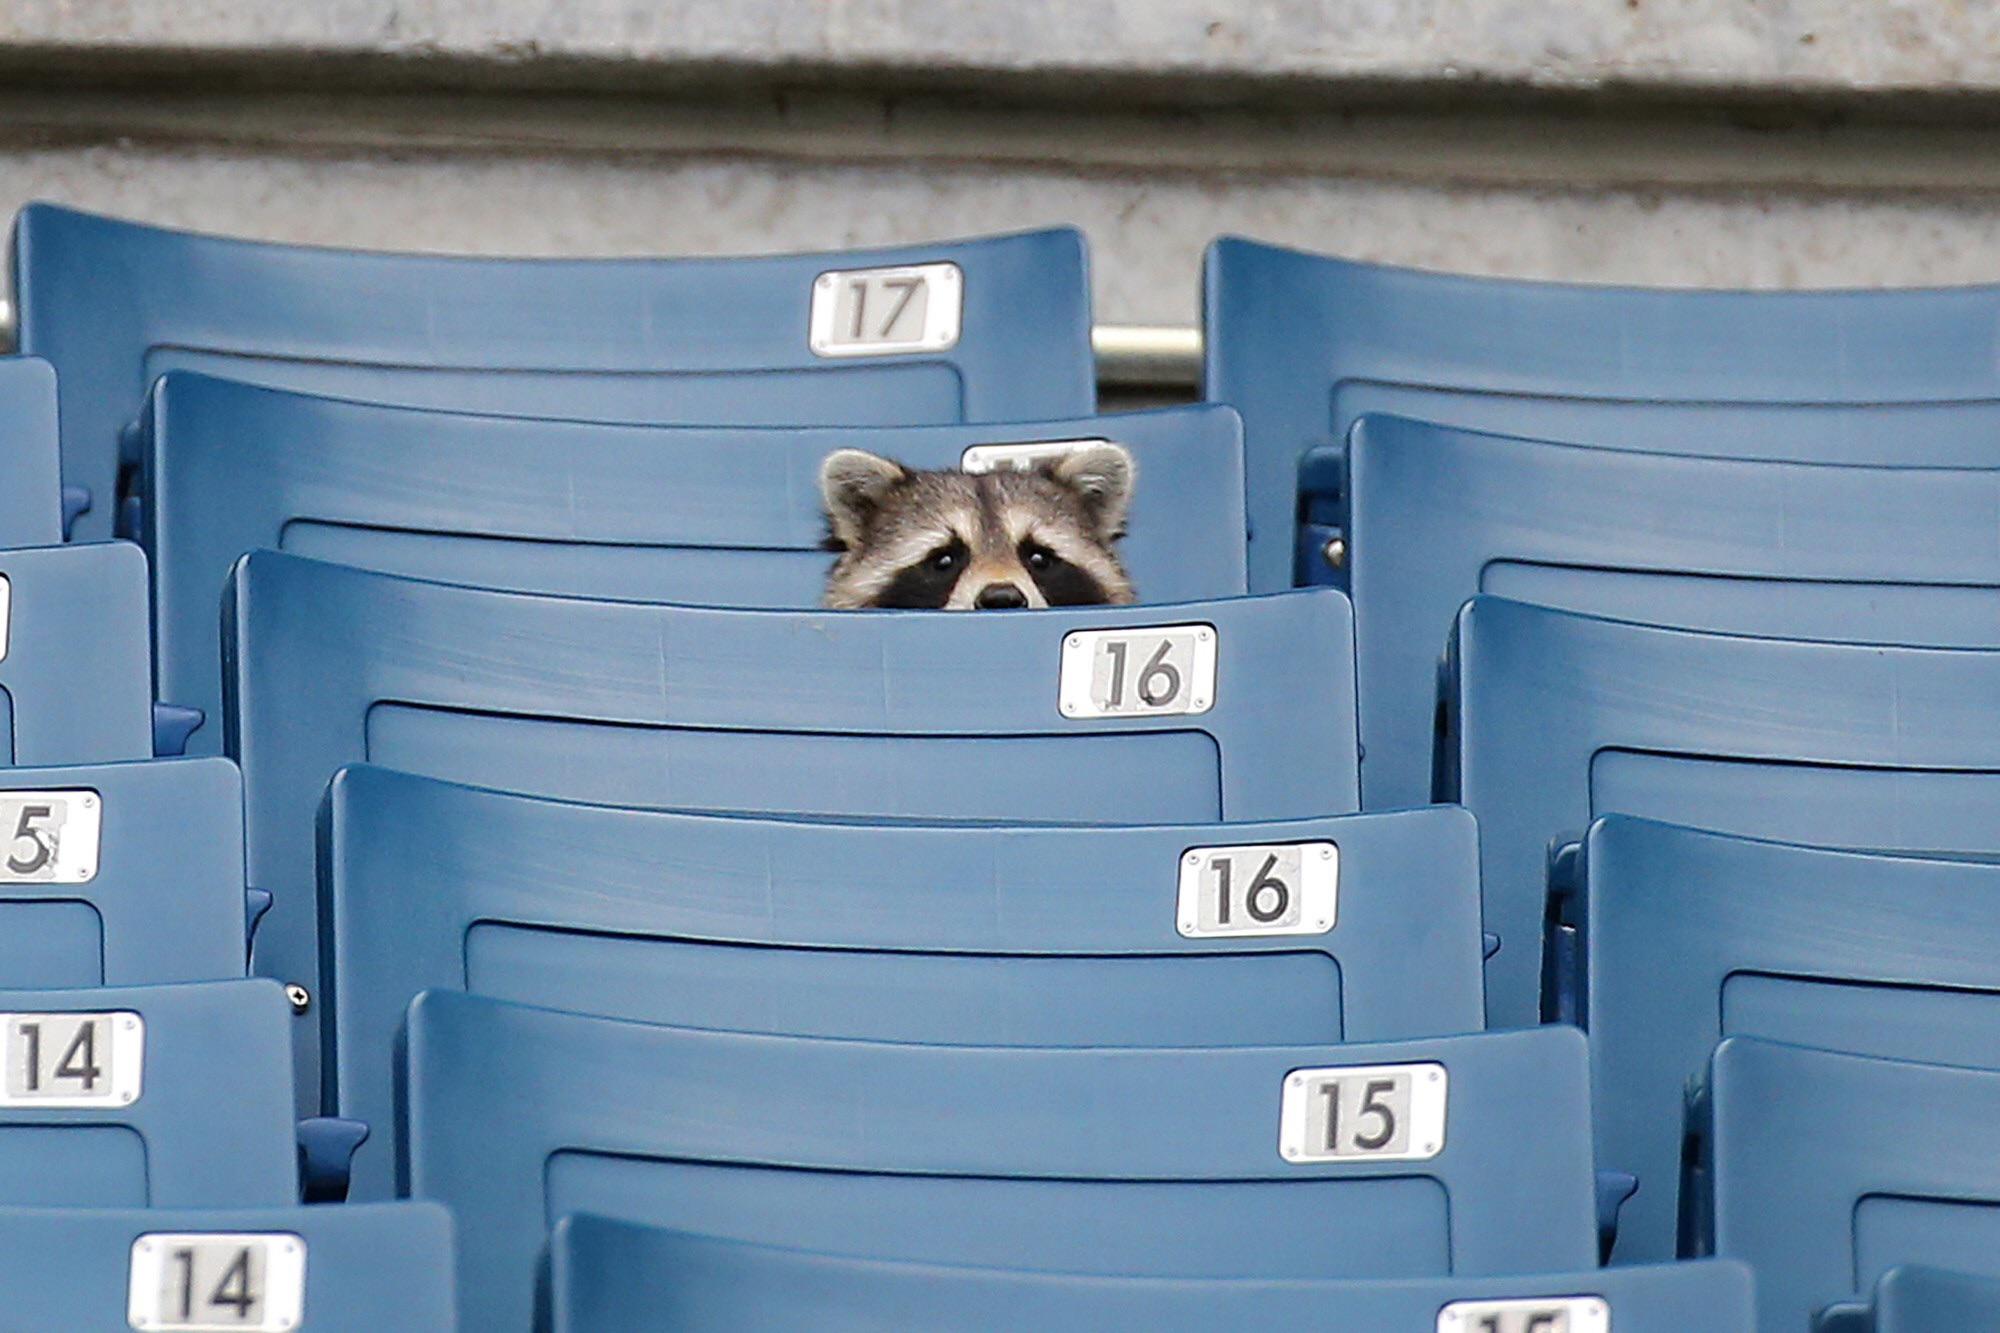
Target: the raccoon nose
(1000, 597)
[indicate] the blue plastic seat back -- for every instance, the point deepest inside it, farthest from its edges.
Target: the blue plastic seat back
(716, 516)
(608, 1276)
(1555, 718)
(372, 1268)
(1691, 937)
(1913, 1298)
(1136, 1162)
(1824, 1170)
(162, 1096)
(897, 714)
(1304, 344)
(983, 934)
(31, 500)
(115, 304)
(121, 874)
(1784, 550)
(76, 659)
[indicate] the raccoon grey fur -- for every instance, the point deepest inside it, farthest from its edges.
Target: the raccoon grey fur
(960, 541)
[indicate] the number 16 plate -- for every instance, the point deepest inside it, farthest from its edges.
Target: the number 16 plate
(1145, 671)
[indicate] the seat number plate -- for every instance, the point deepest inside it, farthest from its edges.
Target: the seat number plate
(207, 1282)
(1546, 1314)
(883, 311)
(49, 837)
(1375, 1113)
(72, 1060)
(1281, 889)
(1019, 457)
(1154, 672)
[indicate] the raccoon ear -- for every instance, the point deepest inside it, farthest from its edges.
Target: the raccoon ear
(852, 483)
(1104, 475)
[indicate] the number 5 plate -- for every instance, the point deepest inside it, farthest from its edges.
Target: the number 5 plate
(1544, 1314)
(49, 837)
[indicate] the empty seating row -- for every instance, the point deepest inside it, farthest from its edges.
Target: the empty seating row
(1785, 550)
(1041, 717)
(1825, 1171)
(1304, 345)
(148, 1095)
(1554, 717)
(122, 874)
(380, 1268)
(606, 1275)
(1352, 928)
(1688, 937)
(1450, 1156)
(989, 330)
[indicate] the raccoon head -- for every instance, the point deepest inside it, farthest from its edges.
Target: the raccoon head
(989, 541)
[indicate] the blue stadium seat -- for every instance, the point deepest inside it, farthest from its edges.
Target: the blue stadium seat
(76, 658)
(1911, 1298)
(1137, 1162)
(116, 304)
(987, 935)
(381, 1268)
(166, 1096)
(32, 505)
(1693, 936)
(910, 714)
(1554, 718)
(121, 874)
(1824, 1170)
(1786, 550)
(608, 1276)
(711, 516)
(1304, 344)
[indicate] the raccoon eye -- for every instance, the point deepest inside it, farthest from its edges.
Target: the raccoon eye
(1039, 559)
(942, 561)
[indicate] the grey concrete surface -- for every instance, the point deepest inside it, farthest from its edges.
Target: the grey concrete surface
(1801, 46)
(1146, 229)
(1774, 143)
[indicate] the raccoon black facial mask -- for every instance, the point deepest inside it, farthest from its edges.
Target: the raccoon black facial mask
(988, 541)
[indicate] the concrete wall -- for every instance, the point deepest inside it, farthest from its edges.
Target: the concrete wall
(1763, 144)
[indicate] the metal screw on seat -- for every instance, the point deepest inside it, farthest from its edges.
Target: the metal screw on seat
(1335, 551)
(300, 997)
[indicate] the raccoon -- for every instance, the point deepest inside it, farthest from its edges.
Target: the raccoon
(994, 541)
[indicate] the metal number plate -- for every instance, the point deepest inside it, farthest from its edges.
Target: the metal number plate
(1373, 1113)
(1153, 672)
(72, 1060)
(882, 311)
(49, 837)
(1018, 457)
(207, 1282)
(1282, 889)
(1547, 1314)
